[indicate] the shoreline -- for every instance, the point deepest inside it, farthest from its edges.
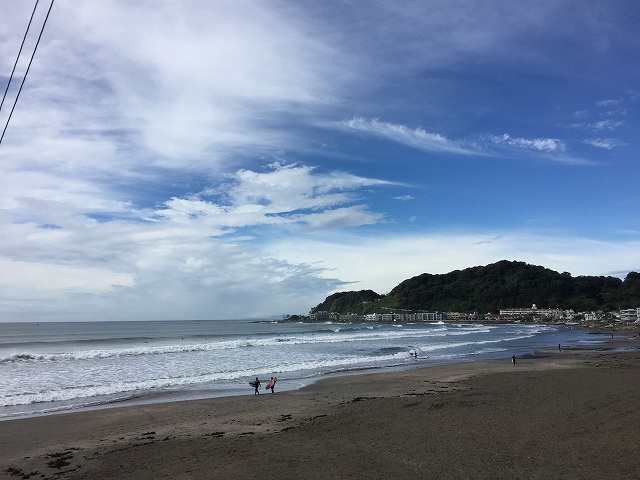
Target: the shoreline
(287, 384)
(569, 414)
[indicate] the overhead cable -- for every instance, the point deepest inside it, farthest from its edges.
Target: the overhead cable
(27, 71)
(19, 53)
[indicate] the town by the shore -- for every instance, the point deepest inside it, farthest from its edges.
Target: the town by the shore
(561, 413)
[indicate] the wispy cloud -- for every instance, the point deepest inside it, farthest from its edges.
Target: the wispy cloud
(608, 103)
(607, 124)
(539, 144)
(599, 126)
(416, 138)
(605, 143)
(404, 198)
(614, 109)
(548, 148)
(152, 84)
(487, 241)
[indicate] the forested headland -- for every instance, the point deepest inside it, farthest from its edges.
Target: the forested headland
(487, 289)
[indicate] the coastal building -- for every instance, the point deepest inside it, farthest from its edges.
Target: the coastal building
(464, 316)
(324, 317)
(406, 317)
(629, 315)
(534, 311)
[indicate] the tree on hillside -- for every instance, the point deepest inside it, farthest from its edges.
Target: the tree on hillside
(504, 284)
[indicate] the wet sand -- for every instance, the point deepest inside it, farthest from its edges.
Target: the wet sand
(569, 414)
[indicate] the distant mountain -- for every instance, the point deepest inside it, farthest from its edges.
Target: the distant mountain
(488, 289)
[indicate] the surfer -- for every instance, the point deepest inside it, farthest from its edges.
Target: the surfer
(513, 359)
(257, 386)
(272, 383)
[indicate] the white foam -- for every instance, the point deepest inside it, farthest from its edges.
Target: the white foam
(337, 336)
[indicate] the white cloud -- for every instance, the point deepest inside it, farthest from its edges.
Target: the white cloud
(341, 217)
(547, 148)
(607, 124)
(605, 143)
(39, 278)
(181, 258)
(290, 188)
(173, 273)
(540, 144)
(183, 84)
(404, 198)
(598, 126)
(283, 195)
(367, 263)
(608, 103)
(416, 138)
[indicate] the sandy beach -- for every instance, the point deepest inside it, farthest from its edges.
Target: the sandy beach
(573, 413)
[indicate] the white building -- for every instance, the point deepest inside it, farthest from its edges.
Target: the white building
(406, 317)
(629, 315)
(534, 311)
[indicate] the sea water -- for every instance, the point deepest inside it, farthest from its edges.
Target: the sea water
(52, 367)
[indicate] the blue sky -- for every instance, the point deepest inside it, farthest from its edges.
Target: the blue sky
(228, 159)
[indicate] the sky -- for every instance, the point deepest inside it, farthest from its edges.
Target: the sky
(246, 159)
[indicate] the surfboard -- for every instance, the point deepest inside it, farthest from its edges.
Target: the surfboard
(271, 383)
(253, 384)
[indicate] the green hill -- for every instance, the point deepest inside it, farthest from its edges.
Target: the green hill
(493, 287)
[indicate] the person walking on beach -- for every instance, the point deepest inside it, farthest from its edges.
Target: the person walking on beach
(272, 384)
(513, 359)
(257, 386)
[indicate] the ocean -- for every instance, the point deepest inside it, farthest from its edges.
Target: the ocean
(56, 367)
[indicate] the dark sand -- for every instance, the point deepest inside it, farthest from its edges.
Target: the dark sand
(569, 414)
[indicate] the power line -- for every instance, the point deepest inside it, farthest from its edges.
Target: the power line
(19, 53)
(27, 72)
